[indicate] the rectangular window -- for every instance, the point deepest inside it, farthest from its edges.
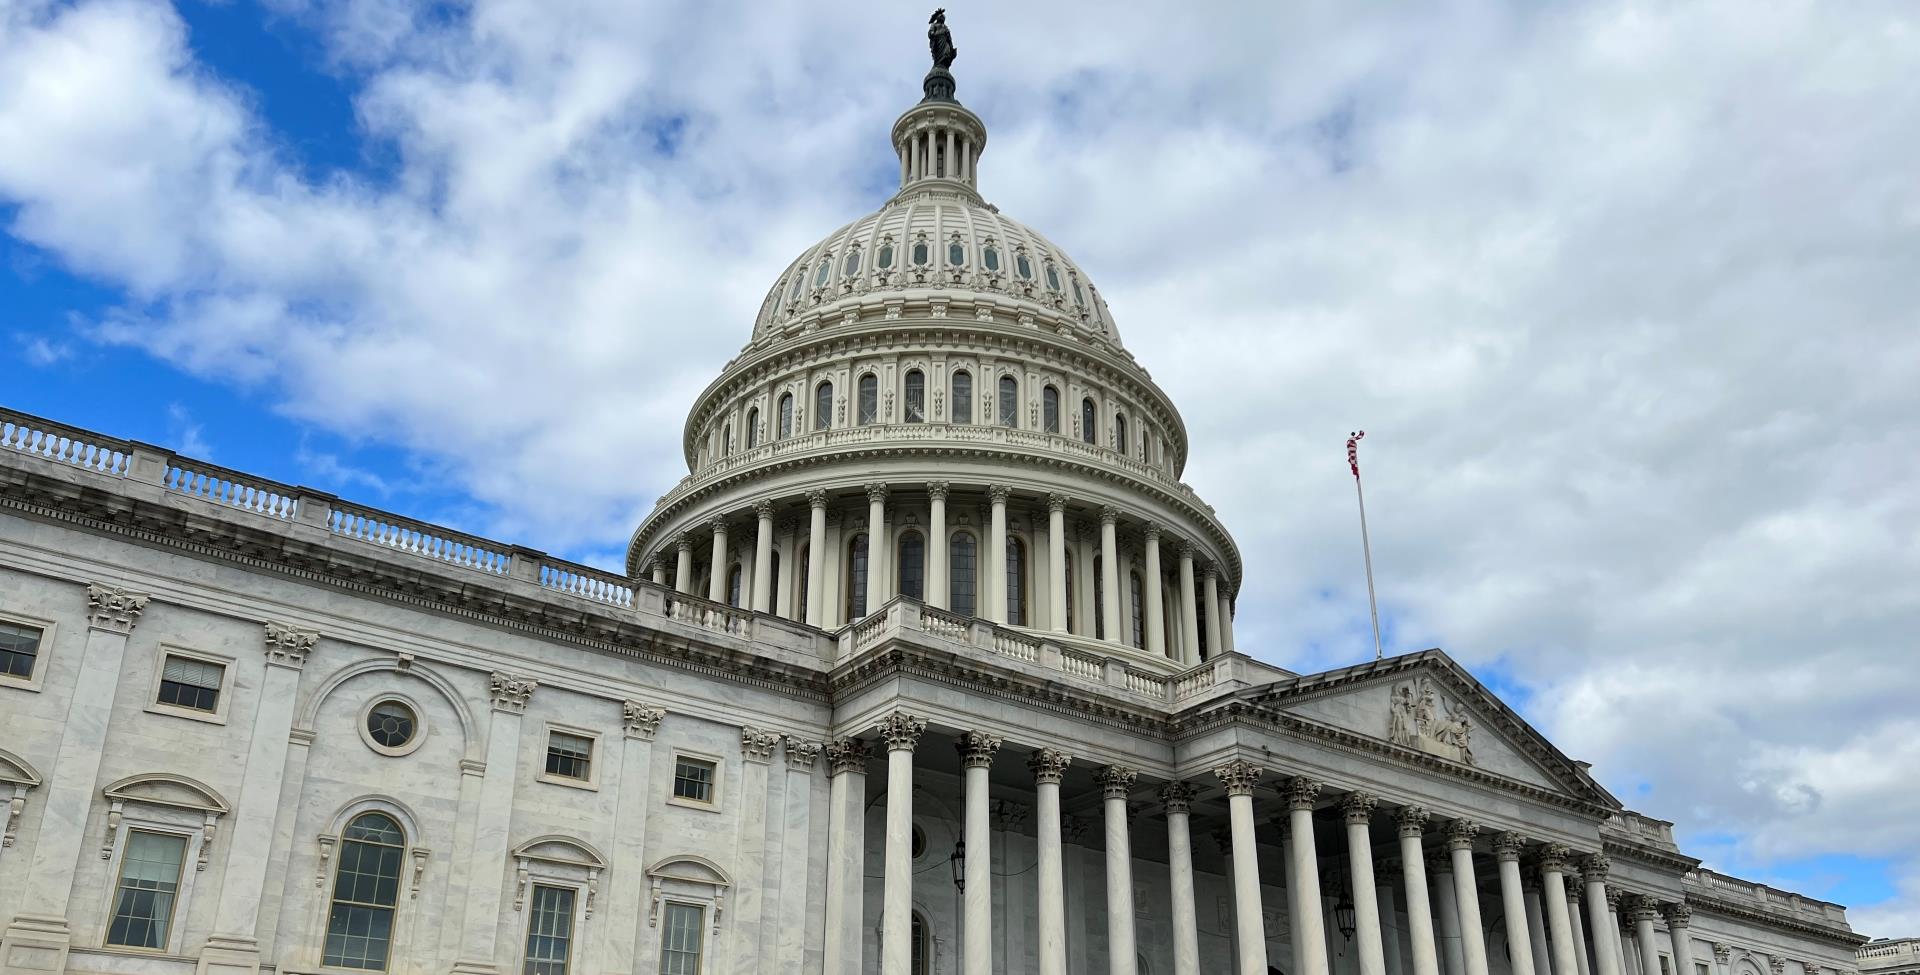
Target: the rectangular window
(680, 939)
(149, 879)
(188, 683)
(1700, 968)
(549, 931)
(569, 756)
(1665, 969)
(19, 649)
(693, 780)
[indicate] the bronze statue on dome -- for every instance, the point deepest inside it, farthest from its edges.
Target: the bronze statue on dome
(940, 40)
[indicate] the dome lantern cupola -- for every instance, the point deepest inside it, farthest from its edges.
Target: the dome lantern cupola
(939, 139)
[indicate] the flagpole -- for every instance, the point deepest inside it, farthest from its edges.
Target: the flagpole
(1366, 547)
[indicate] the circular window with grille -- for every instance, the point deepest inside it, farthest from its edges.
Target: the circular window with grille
(392, 726)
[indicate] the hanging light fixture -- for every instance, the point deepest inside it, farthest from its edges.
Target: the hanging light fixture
(958, 861)
(1343, 915)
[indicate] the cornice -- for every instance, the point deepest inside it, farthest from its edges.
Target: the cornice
(1624, 850)
(978, 677)
(1708, 904)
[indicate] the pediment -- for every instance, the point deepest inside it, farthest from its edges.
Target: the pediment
(1427, 707)
(177, 791)
(14, 770)
(562, 849)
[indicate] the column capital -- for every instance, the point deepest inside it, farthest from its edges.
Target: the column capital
(846, 755)
(1679, 915)
(114, 608)
(1109, 515)
(788, 526)
(1239, 776)
(977, 748)
(510, 693)
(1508, 845)
(1777, 965)
(1008, 814)
(998, 493)
(1357, 808)
(718, 523)
(287, 646)
(1151, 531)
(816, 499)
(1554, 857)
(801, 754)
(1615, 897)
(1186, 550)
(901, 731)
(1116, 781)
(937, 490)
(683, 542)
(642, 720)
(1412, 820)
(1178, 796)
(1209, 570)
(1049, 765)
(1722, 952)
(1460, 834)
(1056, 502)
(1594, 867)
(1439, 862)
(876, 491)
(757, 745)
(1643, 908)
(1302, 792)
(763, 509)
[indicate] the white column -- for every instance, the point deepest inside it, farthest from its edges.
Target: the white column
(1178, 797)
(1513, 904)
(491, 839)
(1212, 595)
(1302, 793)
(623, 888)
(903, 166)
(900, 732)
(1250, 927)
(1156, 622)
(1680, 930)
(1466, 894)
(1599, 919)
(746, 907)
(1224, 614)
(789, 925)
(1411, 823)
(1110, 574)
(683, 564)
(763, 557)
(997, 555)
(1189, 623)
(1537, 925)
(1383, 897)
(1057, 560)
(816, 556)
(1049, 766)
(1575, 924)
(1356, 808)
(234, 945)
(938, 589)
(717, 562)
(1440, 868)
(876, 545)
(966, 158)
(976, 921)
(846, 853)
(658, 571)
(1643, 910)
(1115, 783)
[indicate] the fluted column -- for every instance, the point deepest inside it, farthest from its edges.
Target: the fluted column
(1553, 891)
(1447, 912)
(1250, 928)
(816, 556)
(1156, 619)
(1178, 797)
(1115, 782)
(683, 564)
(1302, 793)
(1049, 766)
(976, 921)
(1110, 574)
(1507, 848)
(876, 546)
(1411, 822)
(717, 560)
(1599, 919)
(1643, 910)
(763, 557)
(997, 554)
(846, 853)
(1211, 592)
(938, 590)
(1057, 560)
(1189, 623)
(900, 732)
(1466, 891)
(1680, 930)
(1357, 809)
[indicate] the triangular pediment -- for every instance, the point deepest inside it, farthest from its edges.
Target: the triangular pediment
(1427, 707)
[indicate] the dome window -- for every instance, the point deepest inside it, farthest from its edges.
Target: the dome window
(1053, 278)
(1120, 442)
(820, 277)
(799, 282)
(1009, 402)
(886, 256)
(1050, 410)
(1088, 433)
(1023, 267)
(922, 255)
(823, 406)
(786, 416)
(869, 400)
(753, 428)
(991, 257)
(963, 397)
(853, 264)
(1079, 296)
(956, 254)
(916, 397)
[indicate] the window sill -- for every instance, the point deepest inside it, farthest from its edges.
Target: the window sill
(191, 714)
(20, 683)
(586, 784)
(712, 807)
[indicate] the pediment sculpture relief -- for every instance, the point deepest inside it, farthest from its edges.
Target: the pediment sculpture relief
(1420, 718)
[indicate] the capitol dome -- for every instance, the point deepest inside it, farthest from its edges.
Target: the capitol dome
(941, 377)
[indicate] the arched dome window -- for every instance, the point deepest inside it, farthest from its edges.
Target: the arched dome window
(823, 405)
(922, 254)
(1139, 621)
(1009, 402)
(956, 254)
(1079, 297)
(869, 399)
(990, 257)
(1050, 409)
(799, 284)
(1120, 441)
(753, 428)
(852, 264)
(726, 440)
(1023, 267)
(1089, 428)
(1053, 278)
(1068, 572)
(786, 416)
(856, 578)
(916, 396)
(734, 575)
(963, 562)
(826, 271)
(1016, 581)
(963, 397)
(886, 257)
(1099, 599)
(366, 889)
(913, 565)
(1200, 627)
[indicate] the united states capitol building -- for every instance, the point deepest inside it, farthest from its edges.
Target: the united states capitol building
(927, 666)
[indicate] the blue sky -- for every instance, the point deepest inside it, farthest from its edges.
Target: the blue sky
(471, 263)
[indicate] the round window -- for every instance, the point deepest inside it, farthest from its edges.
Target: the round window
(392, 727)
(919, 842)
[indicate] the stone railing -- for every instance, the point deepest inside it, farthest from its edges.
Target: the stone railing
(231, 488)
(1897, 953)
(1782, 903)
(30, 434)
(419, 538)
(585, 582)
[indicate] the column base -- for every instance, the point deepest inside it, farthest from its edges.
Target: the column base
(229, 954)
(35, 944)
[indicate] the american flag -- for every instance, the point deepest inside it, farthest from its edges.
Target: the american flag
(1353, 452)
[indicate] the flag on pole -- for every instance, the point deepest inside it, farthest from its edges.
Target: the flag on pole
(1366, 547)
(1353, 452)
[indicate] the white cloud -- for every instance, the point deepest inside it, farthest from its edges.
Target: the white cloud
(1623, 293)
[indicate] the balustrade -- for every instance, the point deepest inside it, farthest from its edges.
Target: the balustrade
(30, 434)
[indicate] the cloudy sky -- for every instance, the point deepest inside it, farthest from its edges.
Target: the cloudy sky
(1624, 294)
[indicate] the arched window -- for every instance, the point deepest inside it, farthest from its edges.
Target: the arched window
(1023, 267)
(753, 428)
(963, 560)
(1089, 425)
(1079, 297)
(1099, 600)
(963, 397)
(922, 254)
(786, 416)
(1200, 626)
(773, 581)
(800, 564)
(366, 887)
(726, 440)
(913, 565)
(886, 256)
(826, 271)
(799, 283)
(1068, 572)
(823, 406)
(857, 577)
(853, 264)
(916, 396)
(869, 399)
(990, 257)
(1016, 582)
(733, 584)
(917, 962)
(1120, 442)
(1009, 402)
(1139, 611)
(1050, 410)
(956, 254)
(1053, 278)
